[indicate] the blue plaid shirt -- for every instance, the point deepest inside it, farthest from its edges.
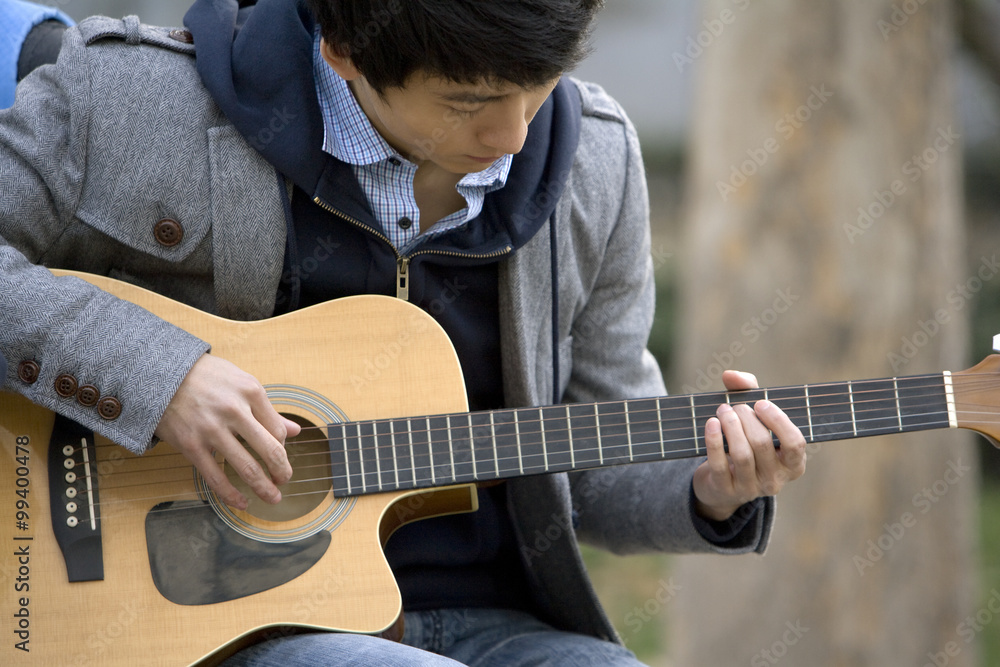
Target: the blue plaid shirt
(386, 177)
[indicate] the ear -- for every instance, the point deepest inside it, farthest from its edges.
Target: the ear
(340, 62)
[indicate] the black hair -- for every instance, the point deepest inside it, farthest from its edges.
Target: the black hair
(524, 42)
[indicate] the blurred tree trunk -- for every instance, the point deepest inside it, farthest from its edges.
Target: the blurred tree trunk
(824, 241)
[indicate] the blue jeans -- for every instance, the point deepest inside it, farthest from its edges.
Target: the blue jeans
(445, 638)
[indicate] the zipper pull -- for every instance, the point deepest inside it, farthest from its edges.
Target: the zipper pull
(403, 278)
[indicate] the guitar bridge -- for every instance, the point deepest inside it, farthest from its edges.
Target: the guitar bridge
(73, 499)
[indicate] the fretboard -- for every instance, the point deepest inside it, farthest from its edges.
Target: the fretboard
(423, 452)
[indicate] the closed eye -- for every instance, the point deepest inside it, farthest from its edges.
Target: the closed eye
(466, 113)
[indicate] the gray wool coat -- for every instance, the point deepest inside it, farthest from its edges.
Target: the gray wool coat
(121, 133)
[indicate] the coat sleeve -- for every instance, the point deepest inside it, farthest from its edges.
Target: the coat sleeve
(63, 326)
(640, 507)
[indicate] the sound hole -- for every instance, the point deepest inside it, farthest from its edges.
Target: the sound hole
(309, 454)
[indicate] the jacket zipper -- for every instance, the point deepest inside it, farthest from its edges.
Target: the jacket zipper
(403, 261)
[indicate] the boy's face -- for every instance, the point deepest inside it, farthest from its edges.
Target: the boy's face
(459, 127)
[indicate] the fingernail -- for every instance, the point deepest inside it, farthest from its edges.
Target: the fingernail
(764, 405)
(724, 408)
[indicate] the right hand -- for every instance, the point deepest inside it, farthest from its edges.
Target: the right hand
(214, 405)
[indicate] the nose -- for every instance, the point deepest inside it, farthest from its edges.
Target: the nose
(506, 129)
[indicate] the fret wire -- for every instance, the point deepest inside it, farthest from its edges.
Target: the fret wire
(597, 431)
(361, 461)
(694, 424)
(809, 414)
(430, 449)
(496, 456)
(413, 455)
(472, 446)
(395, 461)
(347, 460)
(850, 397)
(378, 462)
(899, 409)
(770, 432)
(451, 446)
(659, 419)
(569, 436)
(517, 437)
(628, 433)
(545, 448)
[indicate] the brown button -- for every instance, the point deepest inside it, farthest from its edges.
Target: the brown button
(182, 36)
(66, 385)
(168, 232)
(87, 395)
(28, 371)
(109, 408)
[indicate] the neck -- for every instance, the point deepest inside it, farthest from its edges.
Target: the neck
(420, 452)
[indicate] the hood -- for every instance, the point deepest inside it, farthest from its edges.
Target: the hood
(255, 59)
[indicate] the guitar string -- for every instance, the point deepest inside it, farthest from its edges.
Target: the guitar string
(638, 424)
(935, 384)
(682, 452)
(683, 412)
(421, 484)
(664, 415)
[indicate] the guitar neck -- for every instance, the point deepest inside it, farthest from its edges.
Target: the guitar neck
(424, 452)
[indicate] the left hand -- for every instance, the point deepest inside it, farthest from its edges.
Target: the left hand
(753, 467)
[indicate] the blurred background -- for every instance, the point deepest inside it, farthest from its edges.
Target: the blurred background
(825, 191)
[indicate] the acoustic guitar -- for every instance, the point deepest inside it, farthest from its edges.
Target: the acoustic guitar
(107, 558)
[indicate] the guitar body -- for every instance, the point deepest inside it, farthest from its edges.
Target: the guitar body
(178, 577)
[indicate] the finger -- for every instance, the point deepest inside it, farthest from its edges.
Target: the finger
(759, 437)
(738, 380)
(216, 479)
(769, 474)
(265, 433)
(276, 424)
(249, 470)
(292, 429)
(793, 444)
(741, 454)
(718, 463)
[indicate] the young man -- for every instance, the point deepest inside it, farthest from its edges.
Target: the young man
(30, 36)
(427, 149)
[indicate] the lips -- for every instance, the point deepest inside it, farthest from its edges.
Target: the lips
(484, 160)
